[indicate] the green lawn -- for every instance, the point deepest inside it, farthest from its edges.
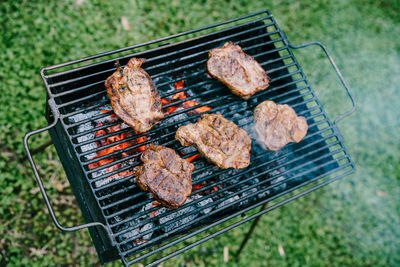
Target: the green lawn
(353, 222)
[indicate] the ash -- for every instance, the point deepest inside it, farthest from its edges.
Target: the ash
(200, 205)
(182, 221)
(227, 175)
(82, 116)
(228, 201)
(248, 200)
(137, 231)
(202, 174)
(177, 117)
(114, 177)
(279, 179)
(105, 181)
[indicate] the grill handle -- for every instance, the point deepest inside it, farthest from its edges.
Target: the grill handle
(43, 191)
(338, 73)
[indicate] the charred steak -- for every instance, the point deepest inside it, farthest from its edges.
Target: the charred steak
(237, 70)
(165, 175)
(134, 99)
(218, 140)
(277, 125)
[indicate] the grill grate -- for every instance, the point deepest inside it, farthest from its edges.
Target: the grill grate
(100, 153)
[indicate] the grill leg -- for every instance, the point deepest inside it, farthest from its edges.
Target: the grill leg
(41, 147)
(250, 232)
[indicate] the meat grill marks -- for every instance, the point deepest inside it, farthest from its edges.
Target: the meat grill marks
(127, 210)
(277, 125)
(133, 97)
(237, 70)
(218, 140)
(166, 175)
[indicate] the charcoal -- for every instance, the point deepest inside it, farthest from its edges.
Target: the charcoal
(203, 203)
(281, 186)
(82, 116)
(248, 201)
(145, 228)
(177, 222)
(228, 201)
(202, 174)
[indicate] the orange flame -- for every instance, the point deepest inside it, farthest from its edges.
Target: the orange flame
(191, 158)
(182, 95)
(111, 149)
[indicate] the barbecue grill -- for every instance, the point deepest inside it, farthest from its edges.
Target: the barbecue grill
(99, 153)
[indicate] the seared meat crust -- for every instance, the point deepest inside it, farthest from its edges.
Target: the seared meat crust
(237, 70)
(133, 97)
(166, 175)
(277, 125)
(218, 140)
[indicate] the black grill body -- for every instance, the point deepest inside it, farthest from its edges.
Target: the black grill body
(108, 193)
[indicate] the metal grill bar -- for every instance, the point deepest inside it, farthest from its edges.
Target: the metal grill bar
(220, 221)
(249, 169)
(225, 207)
(110, 70)
(222, 181)
(158, 128)
(137, 154)
(196, 243)
(181, 69)
(77, 94)
(199, 170)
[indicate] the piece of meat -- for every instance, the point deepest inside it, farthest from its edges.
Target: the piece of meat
(277, 125)
(133, 97)
(218, 140)
(237, 70)
(166, 175)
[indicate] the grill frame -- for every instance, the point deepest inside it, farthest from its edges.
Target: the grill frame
(108, 252)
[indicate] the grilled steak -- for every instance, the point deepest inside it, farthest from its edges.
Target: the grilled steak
(218, 140)
(134, 99)
(237, 70)
(277, 125)
(166, 175)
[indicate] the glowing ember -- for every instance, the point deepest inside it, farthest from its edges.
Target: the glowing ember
(180, 96)
(154, 213)
(191, 158)
(169, 109)
(109, 150)
(208, 191)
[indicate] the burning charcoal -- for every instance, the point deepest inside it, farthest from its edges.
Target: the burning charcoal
(202, 174)
(249, 129)
(246, 119)
(227, 174)
(281, 187)
(82, 116)
(179, 222)
(203, 203)
(228, 201)
(175, 118)
(104, 181)
(131, 233)
(233, 108)
(164, 83)
(188, 149)
(154, 213)
(127, 235)
(248, 201)
(145, 228)
(84, 127)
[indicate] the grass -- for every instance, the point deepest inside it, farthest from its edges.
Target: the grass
(352, 222)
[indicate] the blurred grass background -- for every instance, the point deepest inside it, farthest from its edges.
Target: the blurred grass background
(355, 221)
